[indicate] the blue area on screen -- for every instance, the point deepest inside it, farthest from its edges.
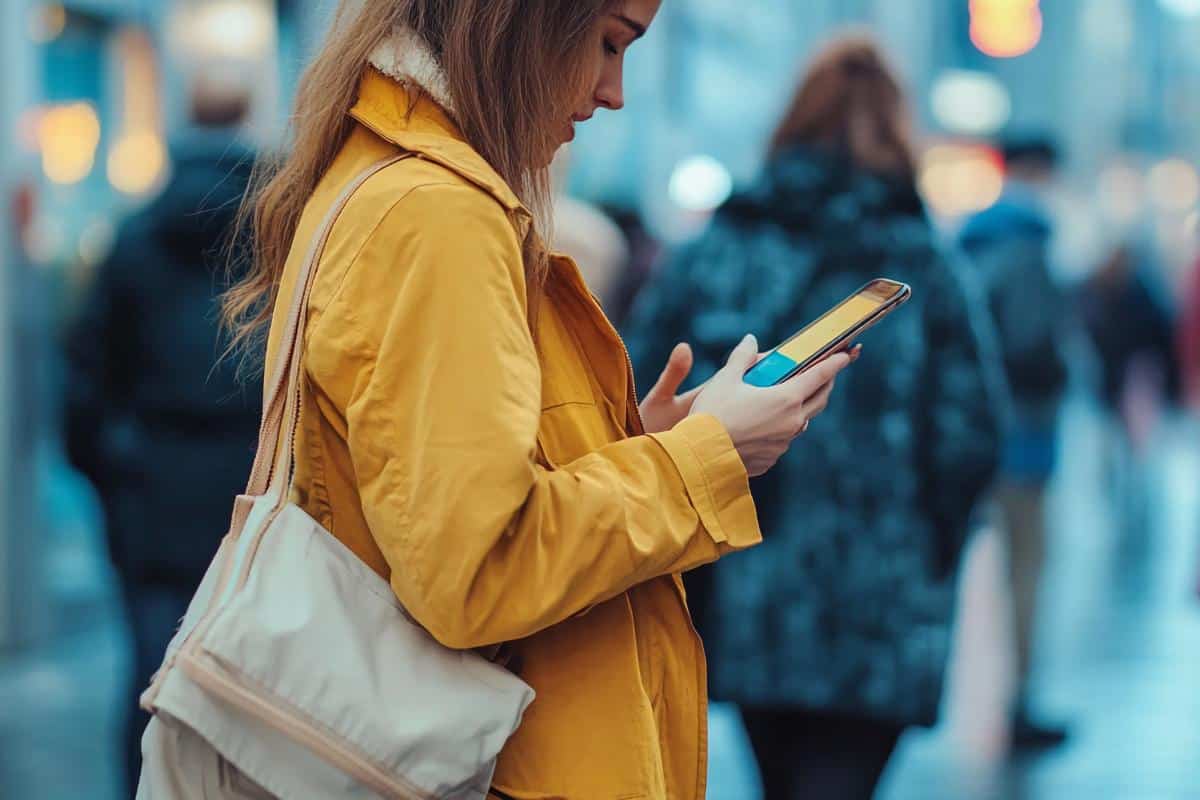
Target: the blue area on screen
(770, 371)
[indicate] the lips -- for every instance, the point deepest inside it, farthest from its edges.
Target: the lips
(575, 120)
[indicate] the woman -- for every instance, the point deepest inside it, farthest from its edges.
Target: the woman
(468, 424)
(833, 634)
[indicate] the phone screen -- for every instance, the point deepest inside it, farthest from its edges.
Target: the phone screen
(797, 352)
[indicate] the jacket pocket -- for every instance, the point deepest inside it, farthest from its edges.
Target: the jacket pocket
(570, 430)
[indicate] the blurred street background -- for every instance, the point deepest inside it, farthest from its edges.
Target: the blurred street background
(94, 93)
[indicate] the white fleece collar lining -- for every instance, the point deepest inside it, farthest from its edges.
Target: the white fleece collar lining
(405, 57)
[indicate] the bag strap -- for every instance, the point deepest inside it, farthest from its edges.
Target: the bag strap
(272, 471)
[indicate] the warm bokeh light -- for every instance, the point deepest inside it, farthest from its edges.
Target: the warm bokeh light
(1174, 185)
(136, 162)
(138, 158)
(47, 22)
(1006, 28)
(69, 135)
(958, 179)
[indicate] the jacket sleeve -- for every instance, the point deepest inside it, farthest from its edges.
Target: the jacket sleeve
(967, 404)
(485, 544)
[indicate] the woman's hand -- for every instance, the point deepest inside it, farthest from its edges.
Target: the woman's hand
(663, 409)
(763, 422)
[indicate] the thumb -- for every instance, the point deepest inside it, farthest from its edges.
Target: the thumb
(743, 356)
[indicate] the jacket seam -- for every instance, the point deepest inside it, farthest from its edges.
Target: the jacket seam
(561, 404)
(314, 327)
(333, 297)
(414, 570)
(402, 528)
(482, 183)
(316, 454)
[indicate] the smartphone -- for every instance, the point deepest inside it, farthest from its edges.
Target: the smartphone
(832, 332)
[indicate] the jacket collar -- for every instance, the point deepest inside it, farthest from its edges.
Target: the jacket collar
(406, 58)
(421, 122)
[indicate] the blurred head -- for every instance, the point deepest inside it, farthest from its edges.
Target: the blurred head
(1030, 159)
(521, 75)
(216, 100)
(851, 102)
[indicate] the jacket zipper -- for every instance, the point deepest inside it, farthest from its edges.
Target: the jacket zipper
(701, 779)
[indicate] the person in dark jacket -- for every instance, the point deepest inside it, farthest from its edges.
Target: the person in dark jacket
(1009, 247)
(161, 427)
(1188, 341)
(833, 635)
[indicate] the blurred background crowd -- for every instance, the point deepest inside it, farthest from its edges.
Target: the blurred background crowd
(981, 576)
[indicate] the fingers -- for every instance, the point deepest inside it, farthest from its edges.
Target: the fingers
(828, 369)
(744, 356)
(809, 383)
(812, 408)
(820, 401)
(798, 390)
(678, 366)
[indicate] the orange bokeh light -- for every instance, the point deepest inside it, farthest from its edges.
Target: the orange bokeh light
(1006, 28)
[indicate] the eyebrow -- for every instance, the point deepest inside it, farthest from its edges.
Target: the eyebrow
(637, 27)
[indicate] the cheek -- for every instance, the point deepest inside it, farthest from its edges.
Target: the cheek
(592, 80)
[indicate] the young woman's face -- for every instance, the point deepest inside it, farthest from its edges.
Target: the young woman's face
(619, 29)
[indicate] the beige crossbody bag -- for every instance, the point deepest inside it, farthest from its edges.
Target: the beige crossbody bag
(295, 660)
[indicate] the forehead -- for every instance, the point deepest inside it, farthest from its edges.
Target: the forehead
(640, 11)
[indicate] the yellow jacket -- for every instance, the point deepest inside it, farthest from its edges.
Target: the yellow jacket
(500, 485)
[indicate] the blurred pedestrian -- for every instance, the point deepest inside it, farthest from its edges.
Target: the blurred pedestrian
(1189, 348)
(1189, 340)
(833, 636)
(1009, 245)
(592, 240)
(645, 250)
(1130, 321)
(165, 436)
(466, 426)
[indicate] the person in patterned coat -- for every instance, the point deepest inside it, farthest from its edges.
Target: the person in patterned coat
(833, 635)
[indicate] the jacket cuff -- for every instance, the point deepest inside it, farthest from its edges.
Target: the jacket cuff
(716, 479)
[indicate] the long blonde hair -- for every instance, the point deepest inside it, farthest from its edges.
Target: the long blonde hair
(514, 69)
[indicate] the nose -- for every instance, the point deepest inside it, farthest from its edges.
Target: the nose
(610, 95)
